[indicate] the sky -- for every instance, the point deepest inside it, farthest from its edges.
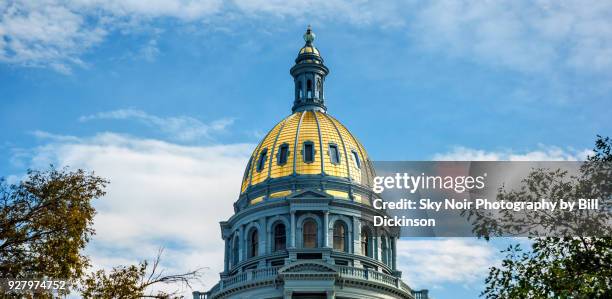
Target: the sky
(167, 99)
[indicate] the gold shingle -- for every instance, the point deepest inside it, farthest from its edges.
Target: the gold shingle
(322, 130)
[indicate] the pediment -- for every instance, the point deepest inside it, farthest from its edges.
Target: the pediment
(309, 194)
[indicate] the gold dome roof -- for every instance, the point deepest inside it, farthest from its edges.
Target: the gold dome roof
(337, 152)
(309, 49)
(308, 152)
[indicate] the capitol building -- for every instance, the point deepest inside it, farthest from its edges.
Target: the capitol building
(303, 223)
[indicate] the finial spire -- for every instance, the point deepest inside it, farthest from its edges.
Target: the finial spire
(309, 36)
(309, 75)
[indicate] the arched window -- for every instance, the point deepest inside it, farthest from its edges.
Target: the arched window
(253, 243)
(365, 243)
(235, 251)
(340, 236)
(280, 237)
(310, 234)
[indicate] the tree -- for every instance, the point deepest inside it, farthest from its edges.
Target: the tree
(576, 265)
(554, 268)
(132, 282)
(45, 222)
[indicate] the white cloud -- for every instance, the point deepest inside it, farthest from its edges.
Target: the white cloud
(42, 34)
(160, 194)
(180, 9)
(545, 153)
(430, 263)
(183, 128)
(55, 137)
(526, 36)
(55, 33)
(530, 36)
(361, 13)
(150, 51)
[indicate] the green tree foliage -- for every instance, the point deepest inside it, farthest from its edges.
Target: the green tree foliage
(45, 222)
(576, 266)
(132, 282)
(554, 268)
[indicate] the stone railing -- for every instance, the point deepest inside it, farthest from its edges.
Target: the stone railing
(366, 274)
(240, 278)
(405, 287)
(271, 273)
(352, 272)
(249, 275)
(423, 294)
(199, 295)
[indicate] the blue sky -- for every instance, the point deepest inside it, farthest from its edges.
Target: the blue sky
(180, 91)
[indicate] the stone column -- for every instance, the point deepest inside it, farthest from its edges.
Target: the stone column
(331, 294)
(394, 252)
(263, 237)
(375, 247)
(357, 241)
(226, 254)
(356, 236)
(326, 229)
(292, 237)
(241, 244)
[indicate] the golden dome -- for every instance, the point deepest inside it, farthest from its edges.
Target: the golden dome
(308, 152)
(283, 153)
(309, 49)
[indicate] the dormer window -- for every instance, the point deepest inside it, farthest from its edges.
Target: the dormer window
(356, 158)
(308, 152)
(334, 155)
(261, 163)
(283, 154)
